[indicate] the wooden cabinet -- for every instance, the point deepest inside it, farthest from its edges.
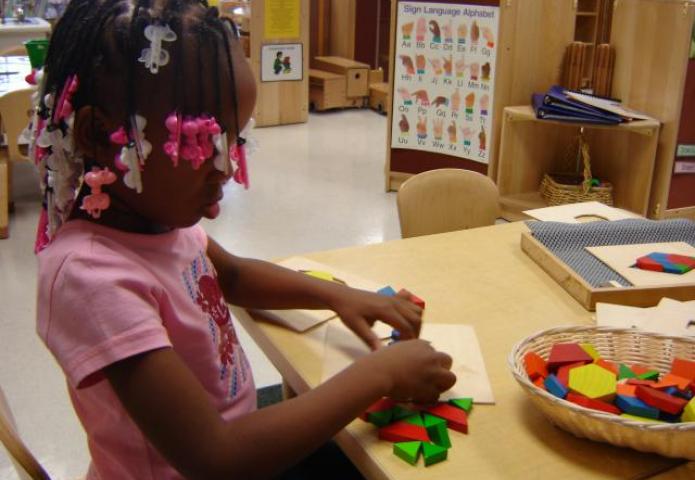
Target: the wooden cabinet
(650, 75)
(529, 148)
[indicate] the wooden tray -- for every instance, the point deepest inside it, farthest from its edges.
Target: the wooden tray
(588, 295)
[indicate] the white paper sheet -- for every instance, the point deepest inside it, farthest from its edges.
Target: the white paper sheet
(459, 341)
(670, 317)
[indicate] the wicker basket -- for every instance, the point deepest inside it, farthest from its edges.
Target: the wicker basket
(556, 193)
(625, 345)
(575, 188)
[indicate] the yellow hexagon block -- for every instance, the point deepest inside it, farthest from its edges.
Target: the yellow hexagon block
(593, 381)
(689, 412)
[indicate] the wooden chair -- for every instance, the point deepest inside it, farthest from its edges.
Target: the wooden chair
(25, 463)
(15, 111)
(14, 51)
(445, 200)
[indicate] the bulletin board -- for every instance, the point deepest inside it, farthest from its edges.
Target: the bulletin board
(444, 63)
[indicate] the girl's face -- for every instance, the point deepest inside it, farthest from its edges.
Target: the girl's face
(176, 197)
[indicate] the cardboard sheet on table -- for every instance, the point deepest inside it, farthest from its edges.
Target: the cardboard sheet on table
(303, 320)
(670, 317)
(459, 341)
(580, 212)
(621, 258)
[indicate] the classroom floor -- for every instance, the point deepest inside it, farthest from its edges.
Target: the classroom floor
(314, 186)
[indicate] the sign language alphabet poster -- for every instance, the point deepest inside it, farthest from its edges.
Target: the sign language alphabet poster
(444, 78)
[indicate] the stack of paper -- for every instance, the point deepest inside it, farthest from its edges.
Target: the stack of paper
(670, 317)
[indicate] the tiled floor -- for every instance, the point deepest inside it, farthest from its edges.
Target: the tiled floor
(314, 186)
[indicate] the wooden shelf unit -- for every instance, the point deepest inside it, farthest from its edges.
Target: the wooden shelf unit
(623, 155)
(653, 77)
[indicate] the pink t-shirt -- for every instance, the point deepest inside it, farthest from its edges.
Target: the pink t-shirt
(105, 295)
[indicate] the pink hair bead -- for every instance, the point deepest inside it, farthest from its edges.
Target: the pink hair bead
(98, 201)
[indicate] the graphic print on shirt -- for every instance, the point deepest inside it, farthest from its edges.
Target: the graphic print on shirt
(201, 283)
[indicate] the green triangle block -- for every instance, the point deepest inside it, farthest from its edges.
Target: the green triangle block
(380, 419)
(400, 413)
(439, 434)
(433, 453)
(625, 372)
(651, 375)
(415, 419)
(407, 451)
(462, 403)
(432, 420)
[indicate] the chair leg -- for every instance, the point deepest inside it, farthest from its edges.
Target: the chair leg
(4, 200)
(287, 391)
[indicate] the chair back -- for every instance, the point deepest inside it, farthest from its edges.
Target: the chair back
(25, 463)
(15, 111)
(444, 200)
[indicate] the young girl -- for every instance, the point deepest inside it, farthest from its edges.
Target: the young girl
(140, 103)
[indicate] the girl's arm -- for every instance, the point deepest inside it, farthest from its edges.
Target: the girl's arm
(257, 284)
(176, 414)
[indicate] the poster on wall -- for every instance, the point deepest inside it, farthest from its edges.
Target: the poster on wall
(444, 78)
(281, 19)
(281, 62)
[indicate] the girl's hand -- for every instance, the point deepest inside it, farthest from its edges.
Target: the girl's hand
(414, 371)
(359, 309)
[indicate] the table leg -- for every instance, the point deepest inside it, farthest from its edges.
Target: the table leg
(4, 199)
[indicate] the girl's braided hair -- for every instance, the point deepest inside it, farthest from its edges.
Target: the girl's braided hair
(102, 39)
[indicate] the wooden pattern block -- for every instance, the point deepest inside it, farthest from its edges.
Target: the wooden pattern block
(639, 369)
(408, 451)
(566, 354)
(378, 406)
(625, 372)
(608, 365)
(589, 348)
(456, 418)
(593, 404)
(637, 381)
(554, 386)
(415, 419)
(563, 373)
(403, 431)
(635, 406)
(689, 412)
(400, 412)
(462, 403)
(433, 453)
(380, 419)
(540, 383)
(661, 400)
(593, 382)
(666, 262)
(387, 291)
(683, 368)
(414, 299)
(626, 390)
(651, 375)
(671, 380)
(437, 430)
(535, 366)
(640, 419)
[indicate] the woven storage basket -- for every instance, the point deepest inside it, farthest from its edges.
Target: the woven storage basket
(624, 345)
(560, 194)
(556, 192)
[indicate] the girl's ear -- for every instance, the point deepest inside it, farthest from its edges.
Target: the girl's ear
(91, 130)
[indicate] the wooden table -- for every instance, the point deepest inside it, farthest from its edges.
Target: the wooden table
(479, 277)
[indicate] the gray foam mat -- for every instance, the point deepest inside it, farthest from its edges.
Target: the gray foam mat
(567, 241)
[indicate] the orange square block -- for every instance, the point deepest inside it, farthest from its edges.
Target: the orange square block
(683, 368)
(626, 390)
(535, 366)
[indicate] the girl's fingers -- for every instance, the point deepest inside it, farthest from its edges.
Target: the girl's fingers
(362, 329)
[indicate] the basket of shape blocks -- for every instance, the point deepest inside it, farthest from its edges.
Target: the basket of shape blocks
(621, 386)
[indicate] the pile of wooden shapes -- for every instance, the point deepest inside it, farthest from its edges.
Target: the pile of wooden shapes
(575, 373)
(666, 262)
(419, 432)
